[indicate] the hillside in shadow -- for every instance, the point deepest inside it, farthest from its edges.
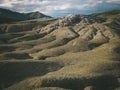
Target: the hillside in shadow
(76, 52)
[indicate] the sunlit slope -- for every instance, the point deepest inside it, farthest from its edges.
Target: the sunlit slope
(76, 52)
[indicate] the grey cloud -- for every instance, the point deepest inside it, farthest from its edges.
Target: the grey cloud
(59, 7)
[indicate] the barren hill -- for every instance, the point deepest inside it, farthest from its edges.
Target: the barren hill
(76, 52)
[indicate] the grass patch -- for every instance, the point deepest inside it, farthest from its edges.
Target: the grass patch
(8, 56)
(15, 71)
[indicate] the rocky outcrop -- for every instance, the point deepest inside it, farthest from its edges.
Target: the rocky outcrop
(73, 19)
(69, 20)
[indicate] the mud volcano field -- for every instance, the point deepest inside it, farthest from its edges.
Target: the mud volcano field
(76, 52)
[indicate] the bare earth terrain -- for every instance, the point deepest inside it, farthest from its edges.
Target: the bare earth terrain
(76, 52)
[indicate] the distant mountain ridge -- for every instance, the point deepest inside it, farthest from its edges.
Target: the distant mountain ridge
(36, 15)
(109, 14)
(7, 16)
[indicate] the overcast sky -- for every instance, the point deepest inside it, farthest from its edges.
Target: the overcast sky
(57, 8)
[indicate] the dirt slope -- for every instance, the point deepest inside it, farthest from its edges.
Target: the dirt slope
(76, 52)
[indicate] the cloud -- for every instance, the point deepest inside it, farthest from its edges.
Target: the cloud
(58, 7)
(114, 1)
(9, 3)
